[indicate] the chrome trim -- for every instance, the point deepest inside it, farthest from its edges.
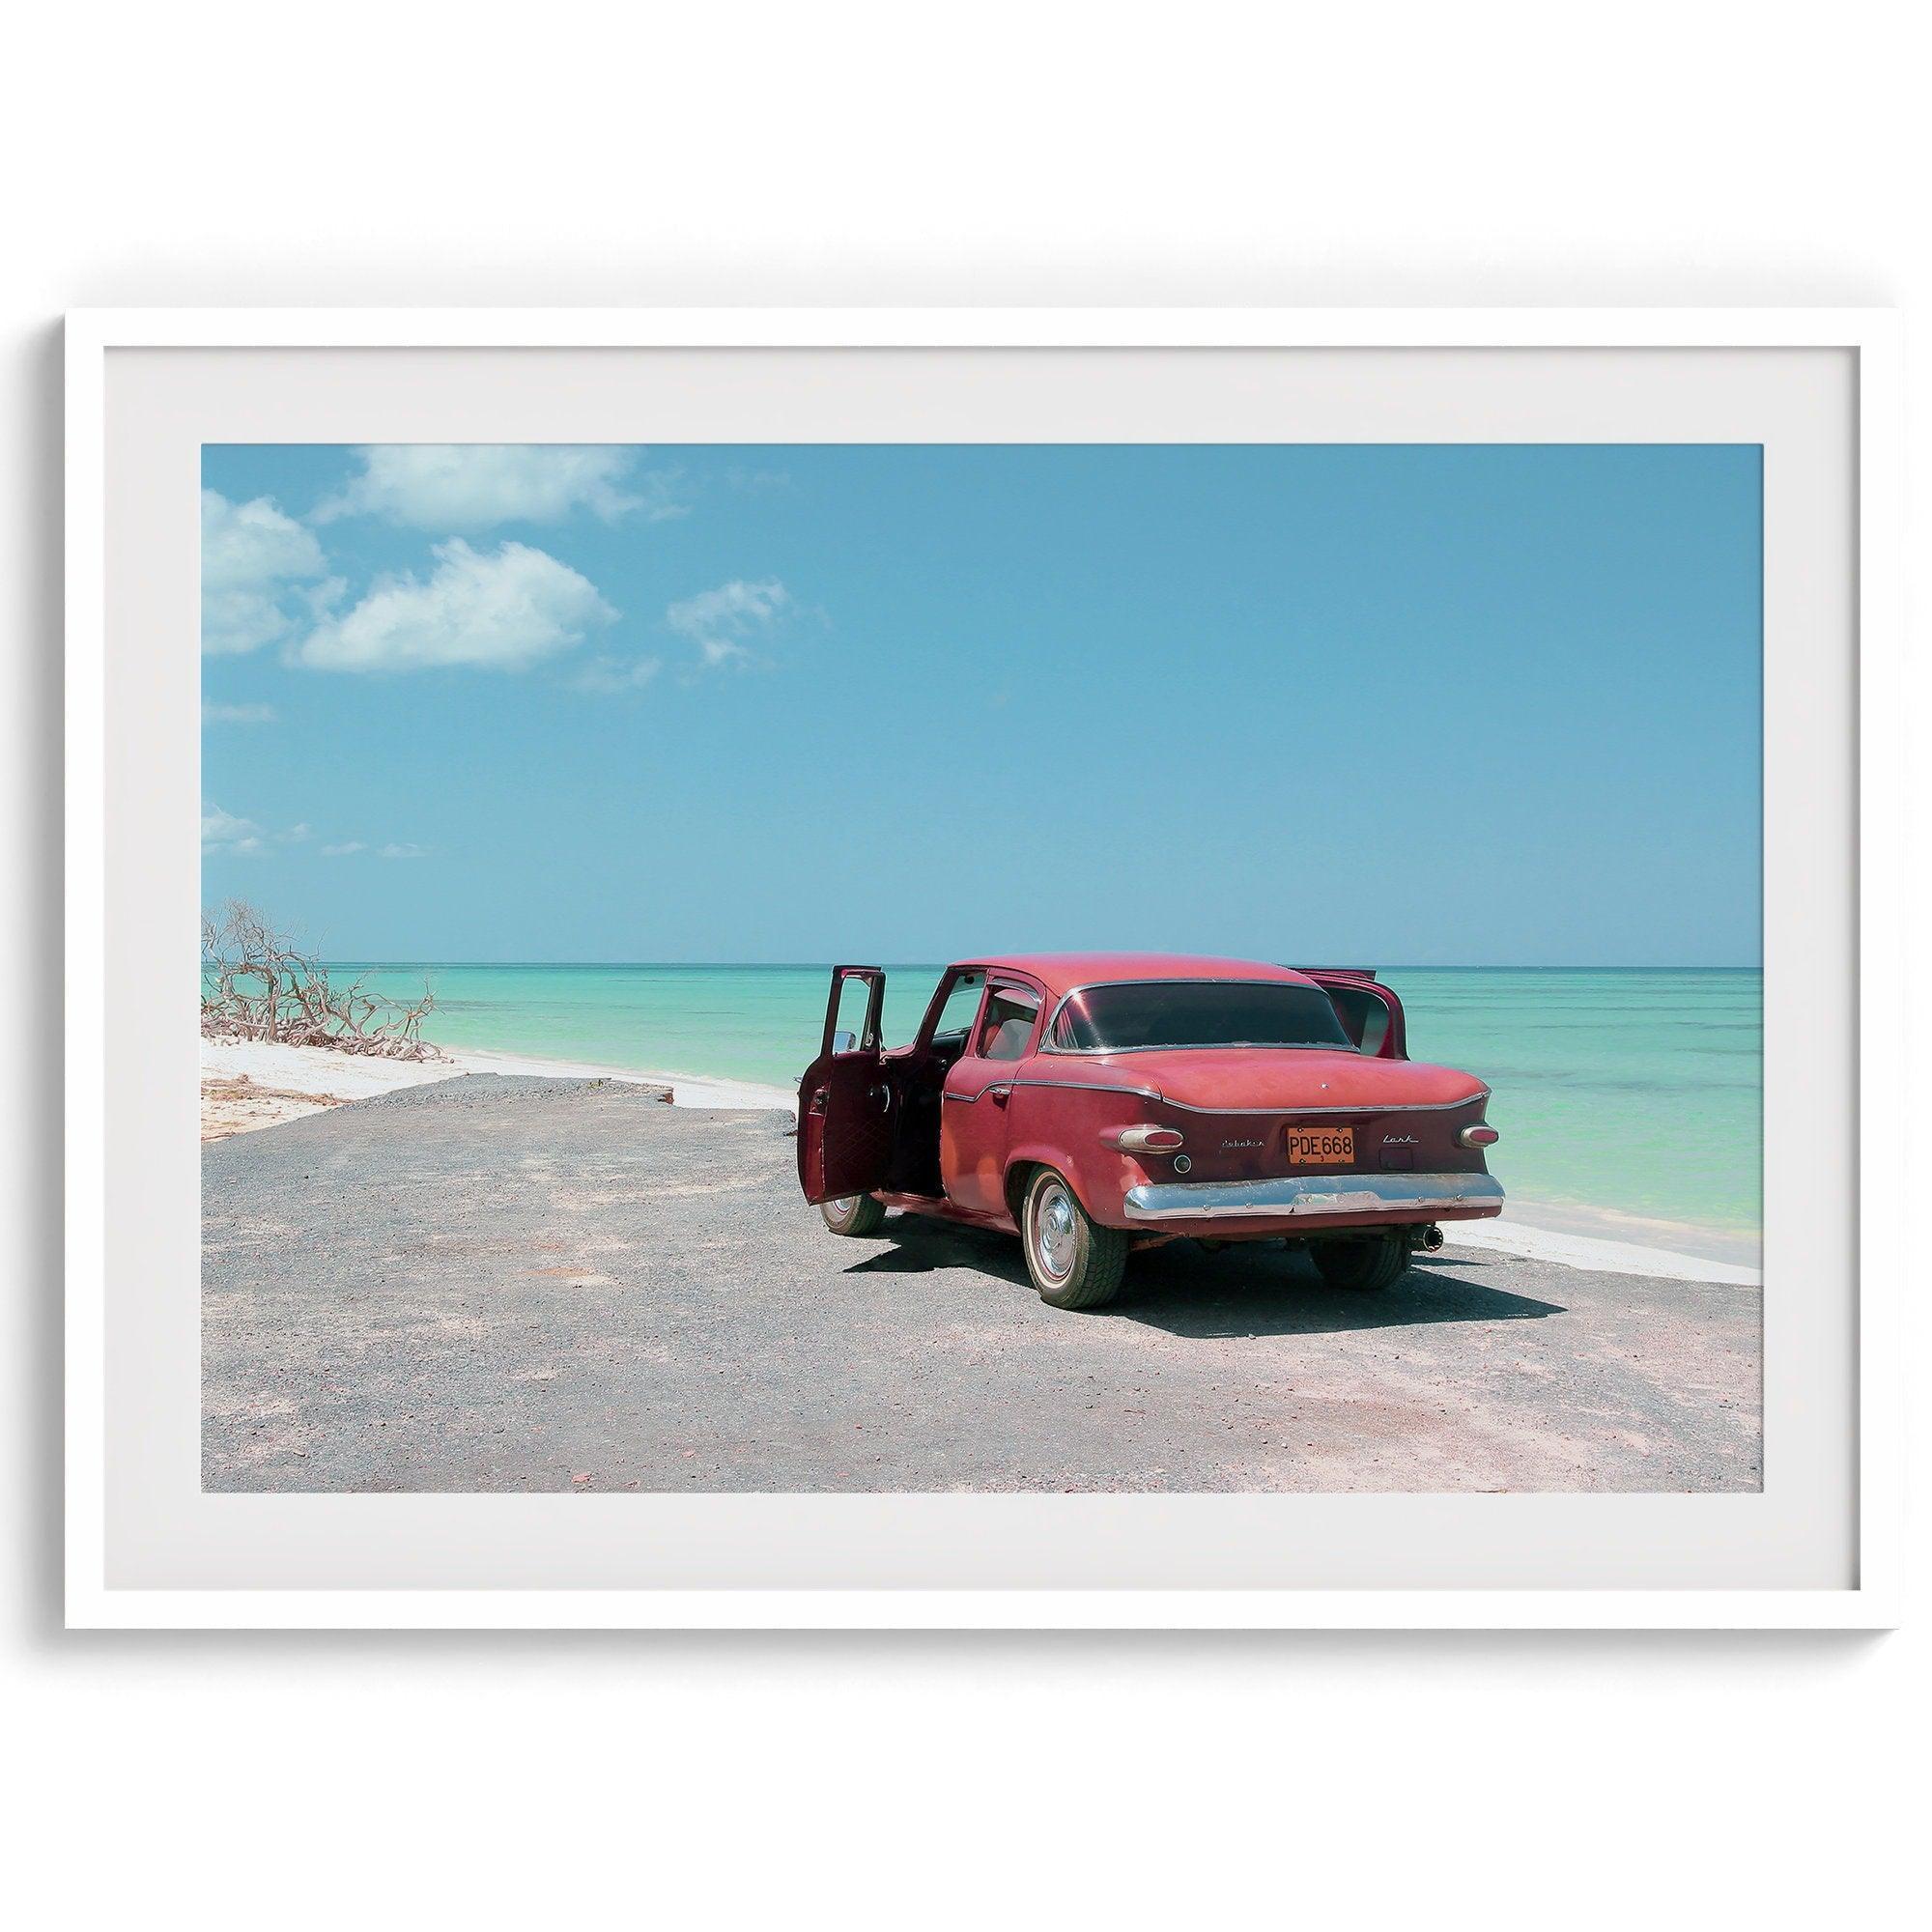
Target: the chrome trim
(1155, 1094)
(1096, 1087)
(994, 1087)
(1310, 1197)
(1360, 1107)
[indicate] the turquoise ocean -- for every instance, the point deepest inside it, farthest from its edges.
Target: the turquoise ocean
(1627, 1099)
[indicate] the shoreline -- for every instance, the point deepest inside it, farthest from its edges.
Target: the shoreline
(338, 1077)
(247, 1085)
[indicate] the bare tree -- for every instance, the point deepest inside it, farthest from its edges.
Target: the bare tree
(257, 984)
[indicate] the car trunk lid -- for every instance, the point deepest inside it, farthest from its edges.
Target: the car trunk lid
(1284, 1079)
(1261, 1113)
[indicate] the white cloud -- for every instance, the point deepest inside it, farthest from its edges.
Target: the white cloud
(610, 676)
(222, 832)
(218, 825)
(252, 559)
(720, 622)
(733, 606)
(237, 714)
(503, 610)
(451, 487)
(399, 849)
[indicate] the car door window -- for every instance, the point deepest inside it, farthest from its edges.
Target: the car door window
(855, 1017)
(957, 1014)
(1368, 1015)
(1008, 1025)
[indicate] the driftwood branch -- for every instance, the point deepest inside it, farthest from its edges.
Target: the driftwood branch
(256, 984)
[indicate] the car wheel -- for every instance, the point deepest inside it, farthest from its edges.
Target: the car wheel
(853, 1214)
(1365, 1266)
(1073, 1261)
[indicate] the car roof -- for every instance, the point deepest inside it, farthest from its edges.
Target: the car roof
(1061, 972)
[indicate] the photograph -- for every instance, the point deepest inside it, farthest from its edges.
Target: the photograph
(1002, 967)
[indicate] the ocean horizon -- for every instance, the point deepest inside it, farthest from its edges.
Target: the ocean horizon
(1625, 1094)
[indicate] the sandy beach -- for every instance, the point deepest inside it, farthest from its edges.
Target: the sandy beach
(250, 1084)
(247, 1085)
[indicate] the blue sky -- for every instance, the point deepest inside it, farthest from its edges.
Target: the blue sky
(1483, 705)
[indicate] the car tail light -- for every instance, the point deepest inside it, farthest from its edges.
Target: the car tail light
(1143, 1140)
(1478, 1135)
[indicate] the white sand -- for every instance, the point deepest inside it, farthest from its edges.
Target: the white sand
(333, 1077)
(1509, 1235)
(354, 1076)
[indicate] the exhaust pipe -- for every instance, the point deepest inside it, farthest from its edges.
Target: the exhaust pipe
(1428, 1239)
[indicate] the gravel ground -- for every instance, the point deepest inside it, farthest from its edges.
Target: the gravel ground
(497, 1284)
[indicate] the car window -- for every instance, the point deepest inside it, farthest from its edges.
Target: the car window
(1199, 1013)
(963, 1001)
(855, 1011)
(1364, 1011)
(1008, 1023)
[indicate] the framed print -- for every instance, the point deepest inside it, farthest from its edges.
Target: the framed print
(975, 968)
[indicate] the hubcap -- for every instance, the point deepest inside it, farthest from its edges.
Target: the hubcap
(1054, 1235)
(843, 1204)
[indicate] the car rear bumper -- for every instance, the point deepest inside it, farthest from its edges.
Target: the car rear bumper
(1316, 1198)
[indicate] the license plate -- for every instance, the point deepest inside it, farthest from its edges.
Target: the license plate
(1321, 1146)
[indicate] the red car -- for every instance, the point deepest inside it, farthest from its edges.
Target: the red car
(1097, 1104)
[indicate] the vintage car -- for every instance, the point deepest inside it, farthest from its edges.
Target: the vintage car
(1093, 1105)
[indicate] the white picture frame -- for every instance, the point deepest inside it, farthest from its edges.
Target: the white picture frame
(99, 902)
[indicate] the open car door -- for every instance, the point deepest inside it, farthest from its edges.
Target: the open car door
(1371, 1015)
(846, 1118)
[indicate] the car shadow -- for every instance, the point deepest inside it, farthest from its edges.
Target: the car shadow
(919, 1244)
(1244, 1289)
(1185, 1291)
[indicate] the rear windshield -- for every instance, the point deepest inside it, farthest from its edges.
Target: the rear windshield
(1183, 1013)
